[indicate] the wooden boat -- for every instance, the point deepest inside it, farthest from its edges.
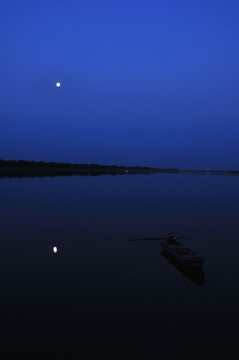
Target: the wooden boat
(178, 251)
(182, 254)
(194, 273)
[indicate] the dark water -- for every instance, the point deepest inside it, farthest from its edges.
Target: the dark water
(99, 292)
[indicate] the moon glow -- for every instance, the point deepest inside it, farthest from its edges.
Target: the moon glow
(58, 84)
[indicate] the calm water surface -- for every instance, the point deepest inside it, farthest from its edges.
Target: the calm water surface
(95, 291)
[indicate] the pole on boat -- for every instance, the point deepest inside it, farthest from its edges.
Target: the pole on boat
(158, 238)
(161, 238)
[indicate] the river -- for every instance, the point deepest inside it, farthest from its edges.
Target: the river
(70, 279)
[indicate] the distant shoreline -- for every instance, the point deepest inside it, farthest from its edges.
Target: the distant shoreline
(22, 168)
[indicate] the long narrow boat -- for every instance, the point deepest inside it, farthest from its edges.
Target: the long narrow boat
(178, 251)
(193, 273)
(181, 253)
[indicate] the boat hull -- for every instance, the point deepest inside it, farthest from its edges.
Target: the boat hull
(193, 273)
(193, 259)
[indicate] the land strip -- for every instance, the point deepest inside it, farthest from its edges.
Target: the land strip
(23, 168)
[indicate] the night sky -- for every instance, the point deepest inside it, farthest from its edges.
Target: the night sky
(143, 82)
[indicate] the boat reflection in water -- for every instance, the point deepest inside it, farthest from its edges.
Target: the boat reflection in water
(195, 274)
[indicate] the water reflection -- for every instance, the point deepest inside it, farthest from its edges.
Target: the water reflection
(196, 275)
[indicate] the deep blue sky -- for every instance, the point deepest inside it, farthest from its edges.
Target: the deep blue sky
(143, 82)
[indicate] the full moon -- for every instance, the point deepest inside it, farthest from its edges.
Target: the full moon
(58, 84)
